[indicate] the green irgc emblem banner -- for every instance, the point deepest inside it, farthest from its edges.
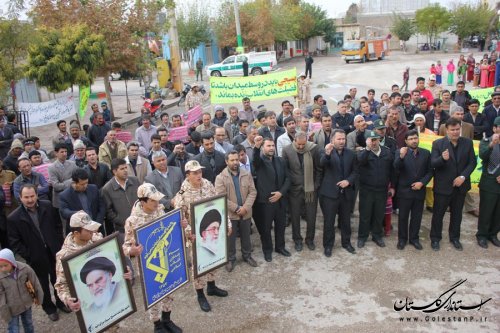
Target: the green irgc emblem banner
(224, 90)
(84, 98)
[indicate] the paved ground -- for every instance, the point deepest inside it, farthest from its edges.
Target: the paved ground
(345, 293)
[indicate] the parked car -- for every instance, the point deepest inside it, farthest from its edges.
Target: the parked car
(115, 76)
(258, 64)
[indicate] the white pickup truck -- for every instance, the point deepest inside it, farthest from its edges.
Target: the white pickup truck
(258, 64)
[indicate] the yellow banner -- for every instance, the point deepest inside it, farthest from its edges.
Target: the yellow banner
(426, 140)
(225, 90)
(482, 95)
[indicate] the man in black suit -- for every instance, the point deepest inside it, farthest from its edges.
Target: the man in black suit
(271, 130)
(478, 120)
(492, 111)
(414, 167)
(453, 160)
(336, 193)
(36, 234)
(212, 160)
(272, 183)
(82, 196)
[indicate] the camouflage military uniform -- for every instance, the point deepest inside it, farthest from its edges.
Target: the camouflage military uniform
(193, 100)
(136, 219)
(69, 247)
(187, 195)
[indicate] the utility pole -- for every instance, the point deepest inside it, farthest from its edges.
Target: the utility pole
(240, 48)
(175, 53)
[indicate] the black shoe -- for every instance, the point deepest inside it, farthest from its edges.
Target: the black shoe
(417, 245)
(284, 252)
(349, 249)
(251, 262)
(230, 266)
(311, 246)
(204, 305)
(53, 316)
(159, 328)
(169, 324)
(63, 307)
(298, 246)
(483, 243)
(361, 243)
(379, 242)
(435, 245)
(401, 245)
(328, 252)
(495, 241)
(213, 290)
(457, 245)
(268, 257)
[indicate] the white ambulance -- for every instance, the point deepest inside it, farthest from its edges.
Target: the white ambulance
(258, 64)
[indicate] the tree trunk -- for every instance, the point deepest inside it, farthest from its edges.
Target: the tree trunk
(129, 108)
(108, 95)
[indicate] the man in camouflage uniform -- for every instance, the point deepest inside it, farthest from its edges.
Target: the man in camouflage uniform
(83, 232)
(195, 188)
(146, 209)
(195, 97)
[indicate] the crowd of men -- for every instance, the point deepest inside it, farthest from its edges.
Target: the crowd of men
(274, 167)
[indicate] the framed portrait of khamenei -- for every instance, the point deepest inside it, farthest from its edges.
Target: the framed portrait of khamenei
(163, 260)
(209, 225)
(95, 278)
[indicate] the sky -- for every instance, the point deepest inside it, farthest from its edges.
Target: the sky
(334, 8)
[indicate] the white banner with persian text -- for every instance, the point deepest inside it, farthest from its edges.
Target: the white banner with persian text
(49, 112)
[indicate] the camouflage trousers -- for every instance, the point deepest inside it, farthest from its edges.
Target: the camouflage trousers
(165, 305)
(200, 282)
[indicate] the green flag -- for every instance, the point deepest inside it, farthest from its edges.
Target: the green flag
(84, 98)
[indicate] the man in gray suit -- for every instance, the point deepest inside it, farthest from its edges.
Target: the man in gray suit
(351, 139)
(60, 173)
(167, 179)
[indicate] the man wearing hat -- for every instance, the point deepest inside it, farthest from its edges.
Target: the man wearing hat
(10, 161)
(29, 146)
(195, 97)
(83, 233)
(74, 131)
(195, 188)
(380, 129)
(220, 116)
(304, 89)
(376, 176)
(106, 112)
(434, 88)
(78, 155)
(489, 189)
(492, 111)
(419, 124)
(146, 209)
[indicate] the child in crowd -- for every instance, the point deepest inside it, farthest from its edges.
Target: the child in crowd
(19, 289)
(406, 78)
(477, 73)
(439, 72)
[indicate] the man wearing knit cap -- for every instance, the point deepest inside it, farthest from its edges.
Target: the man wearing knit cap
(78, 154)
(220, 116)
(10, 161)
(146, 209)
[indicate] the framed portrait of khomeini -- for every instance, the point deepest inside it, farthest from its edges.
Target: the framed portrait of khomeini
(209, 224)
(95, 278)
(163, 260)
